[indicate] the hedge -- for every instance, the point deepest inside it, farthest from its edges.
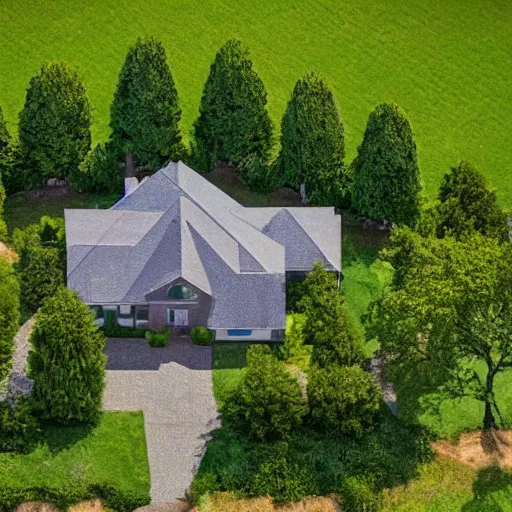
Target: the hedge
(13, 494)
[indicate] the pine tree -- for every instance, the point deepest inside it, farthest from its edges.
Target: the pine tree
(312, 143)
(9, 315)
(67, 361)
(387, 180)
(54, 125)
(145, 115)
(5, 138)
(467, 205)
(233, 121)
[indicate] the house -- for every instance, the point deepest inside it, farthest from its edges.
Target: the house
(178, 251)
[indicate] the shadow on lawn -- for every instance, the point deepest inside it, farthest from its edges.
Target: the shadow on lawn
(59, 437)
(492, 491)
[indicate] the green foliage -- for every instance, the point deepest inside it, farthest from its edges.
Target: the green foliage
(67, 363)
(387, 179)
(294, 293)
(19, 429)
(343, 400)
(282, 479)
(200, 335)
(9, 315)
(157, 339)
(54, 125)
(112, 329)
(268, 403)
(100, 171)
(40, 269)
(467, 205)
(451, 308)
(233, 121)
(357, 495)
(294, 337)
(145, 114)
(5, 137)
(312, 142)
(327, 327)
(259, 175)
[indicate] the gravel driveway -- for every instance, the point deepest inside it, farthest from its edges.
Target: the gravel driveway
(173, 386)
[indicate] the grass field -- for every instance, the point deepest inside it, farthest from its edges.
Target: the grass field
(447, 63)
(114, 451)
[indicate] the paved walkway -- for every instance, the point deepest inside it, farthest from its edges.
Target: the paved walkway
(173, 386)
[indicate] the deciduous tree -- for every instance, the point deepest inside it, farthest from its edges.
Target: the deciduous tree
(233, 120)
(54, 125)
(145, 114)
(451, 308)
(67, 361)
(387, 180)
(312, 143)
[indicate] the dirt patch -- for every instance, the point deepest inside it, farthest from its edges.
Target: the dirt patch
(480, 449)
(50, 193)
(36, 506)
(7, 253)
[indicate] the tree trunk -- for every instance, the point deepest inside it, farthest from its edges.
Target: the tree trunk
(129, 171)
(303, 193)
(489, 420)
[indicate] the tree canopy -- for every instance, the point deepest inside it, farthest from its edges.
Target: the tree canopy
(67, 361)
(233, 120)
(312, 143)
(466, 205)
(54, 125)
(451, 308)
(9, 315)
(145, 114)
(5, 137)
(387, 180)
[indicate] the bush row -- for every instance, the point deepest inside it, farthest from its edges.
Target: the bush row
(13, 494)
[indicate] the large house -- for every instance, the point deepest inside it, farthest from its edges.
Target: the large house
(178, 251)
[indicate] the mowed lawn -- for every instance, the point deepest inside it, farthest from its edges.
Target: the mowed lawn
(447, 63)
(114, 452)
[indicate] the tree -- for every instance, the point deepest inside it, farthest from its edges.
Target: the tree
(41, 264)
(9, 315)
(312, 143)
(233, 121)
(145, 115)
(343, 400)
(67, 361)
(268, 403)
(451, 309)
(5, 138)
(466, 205)
(387, 180)
(54, 125)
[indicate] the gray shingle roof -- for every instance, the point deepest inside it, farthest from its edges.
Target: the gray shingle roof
(177, 224)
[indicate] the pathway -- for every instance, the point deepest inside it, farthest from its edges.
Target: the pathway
(173, 387)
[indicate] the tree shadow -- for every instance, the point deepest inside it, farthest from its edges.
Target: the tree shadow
(492, 442)
(492, 491)
(62, 437)
(229, 355)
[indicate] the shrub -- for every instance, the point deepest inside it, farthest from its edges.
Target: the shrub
(200, 335)
(9, 315)
(113, 330)
(343, 400)
(294, 292)
(18, 427)
(157, 339)
(67, 361)
(282, 479)
(294, 337)
(357, 495)
(259, 175)
(268, 403)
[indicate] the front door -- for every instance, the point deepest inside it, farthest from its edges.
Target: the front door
(178, 317)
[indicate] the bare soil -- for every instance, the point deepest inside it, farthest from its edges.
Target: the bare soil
(7, 253)
(480, 449)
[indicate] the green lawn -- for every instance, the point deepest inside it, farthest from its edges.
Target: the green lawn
(447, 63)
(114, 451)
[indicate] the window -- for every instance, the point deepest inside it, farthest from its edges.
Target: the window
(239, 332)
(98, 311)
(177, 317)
(181, 292)
(142, 313)
(170, 316)
(125, 310)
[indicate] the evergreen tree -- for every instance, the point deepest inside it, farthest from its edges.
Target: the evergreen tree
(67, 361)
(387, 180)
(5, 138)
(144, 115)
(467, 205)
(312, 143)
(54, 125)
(9, 315)
(233, 121)
(268, 403)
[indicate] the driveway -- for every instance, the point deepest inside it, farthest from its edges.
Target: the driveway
(173, 387)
